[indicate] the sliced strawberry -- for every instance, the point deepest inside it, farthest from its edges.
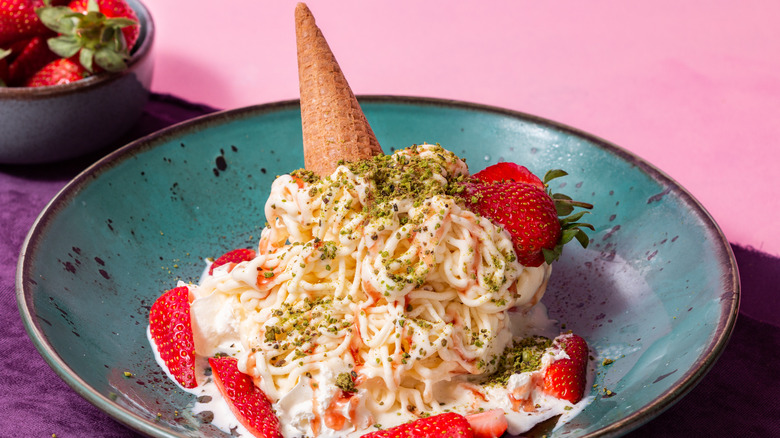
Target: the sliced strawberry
(169, 323)
(566, 378)
(235, 256)
(506, 171)
(58, 72)
(488, 424)
(448, 424)
(249, 403)
(32, 57)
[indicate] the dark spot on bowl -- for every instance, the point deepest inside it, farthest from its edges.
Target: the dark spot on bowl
(110, 224)
(652, 254)
(659, 196)
(608, 256)
(578, 185)
(104, 274)
(609, 234)
(69, 267)
(77, 250)
(182, 144)
(100, 261)
(663, 376)
(75, 333)
(221, 163)
(45, 320)
(674, 239)
(263, 170)
(612, 217)
(233, 148)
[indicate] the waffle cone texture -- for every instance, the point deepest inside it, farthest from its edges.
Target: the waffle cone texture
(334, 126)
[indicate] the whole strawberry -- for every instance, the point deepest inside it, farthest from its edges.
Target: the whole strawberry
(248, 403)
(448, 424)
(171, 330)
(566, 378)
(58, 72)
(113, 9)
(517, 200)
(31, 55)
(18, 20)
(99, 33)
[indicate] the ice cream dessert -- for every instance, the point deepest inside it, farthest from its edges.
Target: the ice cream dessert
(385, 290)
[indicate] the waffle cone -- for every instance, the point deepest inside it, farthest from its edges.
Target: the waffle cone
(334, 126)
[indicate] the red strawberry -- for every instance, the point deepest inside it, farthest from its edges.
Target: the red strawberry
(445, 425)
(33, 56)
(58, 72)
(101, 32)
(527, 212)
(488, 424)
(505, 171)
(566, 378)
(249, 403)
(114, 9)
(234, 256)
(169, 323)
(18, 20)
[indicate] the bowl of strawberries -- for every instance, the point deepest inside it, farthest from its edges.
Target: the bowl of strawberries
(74, 76)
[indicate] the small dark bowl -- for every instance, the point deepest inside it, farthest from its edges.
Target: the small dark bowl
(49, 124)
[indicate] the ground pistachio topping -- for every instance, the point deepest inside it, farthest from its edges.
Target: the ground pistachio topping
(406, 176)
(346, 382)
(522, 356)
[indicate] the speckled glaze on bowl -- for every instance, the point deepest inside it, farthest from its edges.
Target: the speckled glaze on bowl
(657, 291)
(50, 124)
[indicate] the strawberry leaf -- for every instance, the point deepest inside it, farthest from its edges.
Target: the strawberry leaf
(85, 58)
(552, 174)
(57, 18)
(582, 238)
(64, 45)
(574, 217)
(109, 59)
(563, 208)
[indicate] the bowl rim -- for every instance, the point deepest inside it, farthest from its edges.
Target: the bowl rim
(142, 51)
(729, 281)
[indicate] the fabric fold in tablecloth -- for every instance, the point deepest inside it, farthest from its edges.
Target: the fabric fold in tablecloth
(736, 398)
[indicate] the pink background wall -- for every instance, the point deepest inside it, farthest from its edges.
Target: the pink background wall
(693, 87)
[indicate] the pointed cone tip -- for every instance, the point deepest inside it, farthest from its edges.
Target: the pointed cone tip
(334, 126)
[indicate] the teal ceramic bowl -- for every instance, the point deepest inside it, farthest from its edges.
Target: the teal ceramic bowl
(657, 290)
(50, 124)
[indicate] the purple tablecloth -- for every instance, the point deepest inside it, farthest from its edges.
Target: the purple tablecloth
(736, 398)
